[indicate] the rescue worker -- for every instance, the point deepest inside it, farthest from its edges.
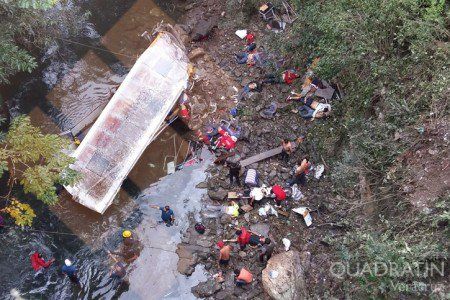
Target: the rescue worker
(130, 248)
(167, 214)
(70, 271)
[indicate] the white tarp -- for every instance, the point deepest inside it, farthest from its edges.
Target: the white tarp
(129, 122)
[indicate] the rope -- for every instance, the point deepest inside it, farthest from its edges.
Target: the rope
(96, 48)
(65, 233)
(45, 231)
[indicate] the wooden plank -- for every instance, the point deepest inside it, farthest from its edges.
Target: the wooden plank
(265, 155)
(261, 156)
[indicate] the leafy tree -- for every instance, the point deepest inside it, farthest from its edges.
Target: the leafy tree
(35, 160)
(26, 25)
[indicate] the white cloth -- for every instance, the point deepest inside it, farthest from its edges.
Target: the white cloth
(241, 33)
(320, 107)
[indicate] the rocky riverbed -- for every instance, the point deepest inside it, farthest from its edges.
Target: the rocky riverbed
(218, 77)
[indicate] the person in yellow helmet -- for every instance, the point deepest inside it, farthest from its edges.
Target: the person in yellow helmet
(130, 249)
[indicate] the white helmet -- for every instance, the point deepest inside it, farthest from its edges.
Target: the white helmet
(68, 262)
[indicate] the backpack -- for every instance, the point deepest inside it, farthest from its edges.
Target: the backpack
(200, 228)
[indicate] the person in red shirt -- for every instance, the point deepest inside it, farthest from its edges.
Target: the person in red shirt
(37, 262)
(250, 38)
(184, 112)
(280, 194)
(203, 138)
(243, 237)
(286, 77)
(289, 76)
(225, 140)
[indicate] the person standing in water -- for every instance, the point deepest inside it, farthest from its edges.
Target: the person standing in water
(70, 271)
(130, 247)
(167, 214)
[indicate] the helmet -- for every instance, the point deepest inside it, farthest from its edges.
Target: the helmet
(67, 262)
(126, 233)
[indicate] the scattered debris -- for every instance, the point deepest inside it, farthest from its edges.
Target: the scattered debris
(286, 243)
(241, 33)
(305, 213)
(296, 193)
(319, 171)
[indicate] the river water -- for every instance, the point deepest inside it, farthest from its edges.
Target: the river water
(78, 75)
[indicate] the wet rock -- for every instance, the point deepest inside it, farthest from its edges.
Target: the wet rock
(223, 295)
(185, 267)
(288, 282)
(273, 173)
(203, 28)
(206, 289)
(208, 266)
(196, 53)
(189, 6)
(202, 185)
(187, 259)
(247, 217)
(204, 243)
(218, 195)
(261, 228)
(182, 32)
(226, 219)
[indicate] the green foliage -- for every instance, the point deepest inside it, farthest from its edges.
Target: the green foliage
(34, 4)
(22, 213)
(390, 59)
(26, 25)
(20, 24)
(38, 160)
(382, 264)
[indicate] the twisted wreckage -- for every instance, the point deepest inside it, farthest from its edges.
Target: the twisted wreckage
(130, 122)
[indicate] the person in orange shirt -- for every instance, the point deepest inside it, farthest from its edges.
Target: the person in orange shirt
(242, 277)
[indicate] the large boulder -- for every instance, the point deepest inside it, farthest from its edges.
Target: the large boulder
(206, 289)
(203, 28)
(218, 195)
(284, 278)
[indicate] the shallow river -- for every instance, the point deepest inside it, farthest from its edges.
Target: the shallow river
(77, 77)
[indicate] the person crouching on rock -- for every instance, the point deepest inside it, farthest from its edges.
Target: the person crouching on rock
(224, 254)
(257, 240)
(287, 150)
(167, 214)
(266, 250)
(279, 194)
(301, 171)
(242, 277)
